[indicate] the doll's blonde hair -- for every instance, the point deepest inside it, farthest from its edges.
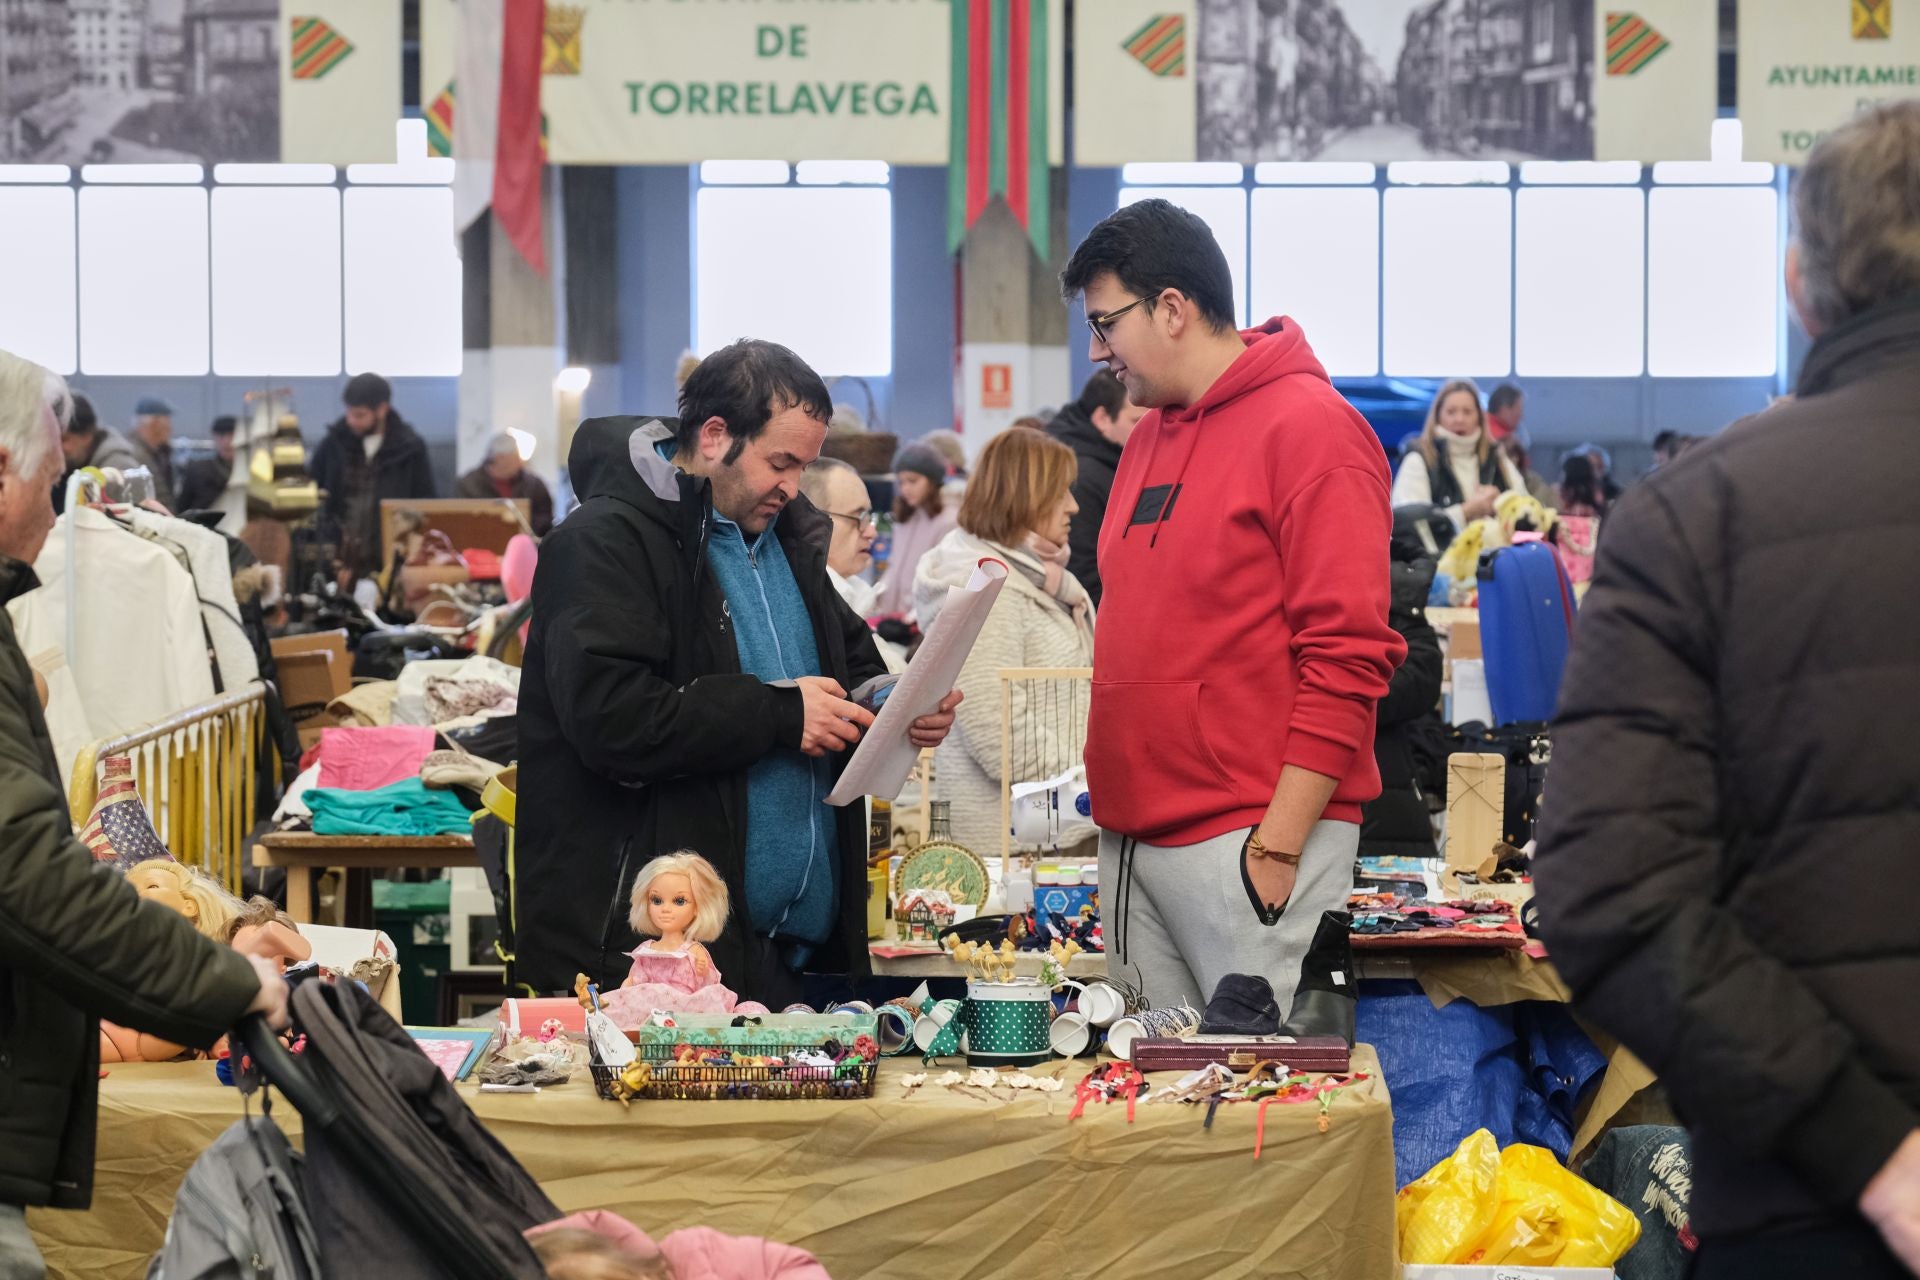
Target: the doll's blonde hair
(709, 895)
(217, 909)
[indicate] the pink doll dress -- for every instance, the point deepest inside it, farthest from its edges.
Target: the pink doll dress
(667, 981)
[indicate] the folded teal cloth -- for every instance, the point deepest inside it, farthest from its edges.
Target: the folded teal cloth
(407, 808)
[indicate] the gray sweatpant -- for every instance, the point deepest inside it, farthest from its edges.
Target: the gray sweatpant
(1177, 920)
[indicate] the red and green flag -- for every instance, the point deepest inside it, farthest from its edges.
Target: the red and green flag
(1002, 56)
(317, 48)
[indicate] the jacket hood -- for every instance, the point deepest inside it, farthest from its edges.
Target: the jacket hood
(1074, 428)
(1274, 350)
(619, 457)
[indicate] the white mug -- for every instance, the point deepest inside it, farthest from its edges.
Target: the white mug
(1101, 1002)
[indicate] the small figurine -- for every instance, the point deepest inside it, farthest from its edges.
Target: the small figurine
(679, 902)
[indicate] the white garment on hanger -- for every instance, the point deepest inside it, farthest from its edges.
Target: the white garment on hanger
(142, 654)
(213, 580)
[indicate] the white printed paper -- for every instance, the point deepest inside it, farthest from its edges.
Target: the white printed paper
(886, 755)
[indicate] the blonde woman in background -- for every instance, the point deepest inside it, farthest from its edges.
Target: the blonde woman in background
(1455, 466)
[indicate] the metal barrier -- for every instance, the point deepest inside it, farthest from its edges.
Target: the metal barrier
(195, 771)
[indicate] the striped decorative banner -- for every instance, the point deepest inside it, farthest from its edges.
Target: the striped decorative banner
(1161, 45)
(317, 48)
(1632, 42)
(998, 134)
(1873, 19)
(439, 115)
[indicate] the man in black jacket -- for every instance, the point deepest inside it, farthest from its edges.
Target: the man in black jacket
(368, 456)
(1095, 427)
(686, 684)
(76, 941)
(1728, 864)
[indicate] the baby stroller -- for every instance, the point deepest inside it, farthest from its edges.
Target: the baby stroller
(399, 1180)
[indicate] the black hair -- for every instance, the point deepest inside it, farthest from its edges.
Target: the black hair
(744, 385)
(82, 421)
(1665, 441)
(1503, 395)
(367, 391)
(225, 425)
(1151, 246)
(1578, 481)
(1103, 391)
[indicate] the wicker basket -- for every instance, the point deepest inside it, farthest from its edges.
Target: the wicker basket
(783, 1037)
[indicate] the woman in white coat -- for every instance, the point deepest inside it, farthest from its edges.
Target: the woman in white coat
(1017, 509)
(1455, 466)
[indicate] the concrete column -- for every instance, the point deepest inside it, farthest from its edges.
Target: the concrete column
(1013, 325)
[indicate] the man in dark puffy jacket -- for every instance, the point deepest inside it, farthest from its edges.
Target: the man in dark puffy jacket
(76, 941)
(1095, 427)
(1731, 846)
(369, 456)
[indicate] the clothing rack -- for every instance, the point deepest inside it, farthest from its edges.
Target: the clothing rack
(195, 773)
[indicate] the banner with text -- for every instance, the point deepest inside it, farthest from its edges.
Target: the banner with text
(1655, 86)
(680, 81)
(1806, 69)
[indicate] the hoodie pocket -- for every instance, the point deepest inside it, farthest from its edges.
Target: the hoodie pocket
(1149, 766)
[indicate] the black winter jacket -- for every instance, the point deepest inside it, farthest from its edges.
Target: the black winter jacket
(1099, 458)
(1397, 822)
(400, 469)
(76, 943)
(637, 725)
(1731, 847)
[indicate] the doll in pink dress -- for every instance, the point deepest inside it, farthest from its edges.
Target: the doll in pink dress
(679, 901)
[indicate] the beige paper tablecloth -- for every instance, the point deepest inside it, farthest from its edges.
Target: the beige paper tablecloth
(944, 1183)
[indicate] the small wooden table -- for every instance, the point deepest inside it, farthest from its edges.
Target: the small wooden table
(303, 853)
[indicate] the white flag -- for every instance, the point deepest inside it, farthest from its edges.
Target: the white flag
(476, 107)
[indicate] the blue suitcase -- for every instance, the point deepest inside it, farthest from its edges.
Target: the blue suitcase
(1526, 619)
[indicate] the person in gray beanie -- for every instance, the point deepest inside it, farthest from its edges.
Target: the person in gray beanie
(920, 519)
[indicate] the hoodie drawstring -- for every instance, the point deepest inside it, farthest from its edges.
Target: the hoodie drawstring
(1166, 508)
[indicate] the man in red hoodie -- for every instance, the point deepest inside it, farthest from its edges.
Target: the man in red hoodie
(1243, 637)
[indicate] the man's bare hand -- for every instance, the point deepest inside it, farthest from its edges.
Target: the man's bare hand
(832, 723)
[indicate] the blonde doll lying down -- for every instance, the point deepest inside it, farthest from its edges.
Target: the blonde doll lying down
(679, 902)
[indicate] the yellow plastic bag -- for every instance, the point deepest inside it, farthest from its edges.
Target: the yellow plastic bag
(1596, 1228)
(1444, 1214)
(1519, 1206)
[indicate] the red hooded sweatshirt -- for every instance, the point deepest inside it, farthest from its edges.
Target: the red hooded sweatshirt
(1243, 624)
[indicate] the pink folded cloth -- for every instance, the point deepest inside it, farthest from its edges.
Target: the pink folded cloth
(697, 1253)
(368, 758)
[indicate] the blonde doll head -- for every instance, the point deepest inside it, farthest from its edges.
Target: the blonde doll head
(701, 883)
(194, 894)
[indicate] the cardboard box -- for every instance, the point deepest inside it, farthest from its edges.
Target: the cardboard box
(314, 669)
(1476, 807)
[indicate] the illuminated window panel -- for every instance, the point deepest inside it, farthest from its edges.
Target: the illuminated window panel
(1224, 210)
(264, 240)
(1316, 257)
(39, 305)
(1580, 273)
(1449, 282)
(402, 281)
(830, 250)
(1713, 273)
(143, 280)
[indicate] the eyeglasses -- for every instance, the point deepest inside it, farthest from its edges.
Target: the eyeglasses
(861, 519)
(1098, 324)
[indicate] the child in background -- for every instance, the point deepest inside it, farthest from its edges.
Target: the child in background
(598, 1245)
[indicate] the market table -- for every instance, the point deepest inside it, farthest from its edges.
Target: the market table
(941, 1183)
(302, 853)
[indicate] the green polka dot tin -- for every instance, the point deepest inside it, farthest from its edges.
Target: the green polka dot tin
(1007, 1023)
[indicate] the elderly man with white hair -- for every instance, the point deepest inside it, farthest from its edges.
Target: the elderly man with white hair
(77, 942)
(504, 475)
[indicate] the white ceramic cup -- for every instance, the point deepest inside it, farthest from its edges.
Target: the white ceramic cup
(1122, 1034)
(1102, 1003)
(1070, 1035)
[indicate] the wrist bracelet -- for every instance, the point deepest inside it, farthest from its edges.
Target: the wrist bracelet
(1256, 849)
